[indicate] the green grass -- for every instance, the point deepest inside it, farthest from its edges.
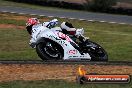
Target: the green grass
(16, 4)
(14, 45)
(115, 38)
(58, 84)
(11, 21)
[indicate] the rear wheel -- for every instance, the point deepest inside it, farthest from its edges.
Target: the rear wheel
(49, 50)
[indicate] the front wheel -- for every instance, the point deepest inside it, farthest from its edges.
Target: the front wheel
(96, 52)
(49, 50)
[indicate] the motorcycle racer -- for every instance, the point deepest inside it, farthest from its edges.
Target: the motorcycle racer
(34, 21)
(34, 27)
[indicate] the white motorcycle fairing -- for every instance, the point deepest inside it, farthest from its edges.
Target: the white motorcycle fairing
(69, 46)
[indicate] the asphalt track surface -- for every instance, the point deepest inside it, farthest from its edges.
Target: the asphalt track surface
(65, 62)
(81, 15)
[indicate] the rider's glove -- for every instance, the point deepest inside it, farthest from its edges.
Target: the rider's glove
(79, 32)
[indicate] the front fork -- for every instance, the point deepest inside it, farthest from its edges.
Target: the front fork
(81, 41)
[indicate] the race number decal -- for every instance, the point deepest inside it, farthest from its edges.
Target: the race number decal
(63, 36)
(72, 52)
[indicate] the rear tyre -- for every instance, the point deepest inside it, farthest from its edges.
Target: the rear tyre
(49, 50)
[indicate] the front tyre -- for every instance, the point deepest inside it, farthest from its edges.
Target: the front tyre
(96, 52)
(49, 50)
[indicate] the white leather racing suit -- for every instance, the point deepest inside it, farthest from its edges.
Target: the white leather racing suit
(37, 29)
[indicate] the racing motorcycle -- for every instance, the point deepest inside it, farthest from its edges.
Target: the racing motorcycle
(53, 44)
